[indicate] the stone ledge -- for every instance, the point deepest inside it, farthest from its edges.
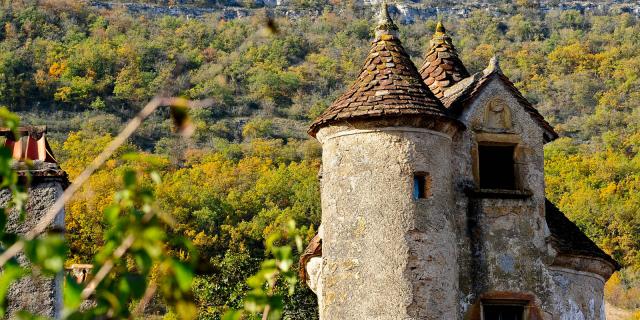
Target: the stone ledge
(499, 193)
(583, 263)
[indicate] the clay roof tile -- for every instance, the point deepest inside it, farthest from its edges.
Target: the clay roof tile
(28, 144)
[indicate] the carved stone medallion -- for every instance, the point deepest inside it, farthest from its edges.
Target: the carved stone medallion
(497, 116)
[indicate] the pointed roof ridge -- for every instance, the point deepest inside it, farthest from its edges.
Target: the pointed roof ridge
(442, 68)
(460, 96)
(389, 85)
(440, 27)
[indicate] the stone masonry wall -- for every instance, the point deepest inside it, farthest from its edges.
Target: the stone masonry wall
(385, 254)
(506, 238)
(576, 295)
(37, 294)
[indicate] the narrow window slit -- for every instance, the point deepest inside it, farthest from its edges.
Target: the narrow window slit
(421, 185)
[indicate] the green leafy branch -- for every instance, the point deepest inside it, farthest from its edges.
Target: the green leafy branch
(263, 298)
(134, 247)
(134, 250)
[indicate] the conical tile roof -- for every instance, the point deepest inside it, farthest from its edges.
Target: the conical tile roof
(442, 68)
(389, 84)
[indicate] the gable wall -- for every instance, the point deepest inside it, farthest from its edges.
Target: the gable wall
(504, 245)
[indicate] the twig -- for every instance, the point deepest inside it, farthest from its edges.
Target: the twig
(146, 298)
(109, 264)
(119, 140)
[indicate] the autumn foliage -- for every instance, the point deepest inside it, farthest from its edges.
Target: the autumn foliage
(249, 167)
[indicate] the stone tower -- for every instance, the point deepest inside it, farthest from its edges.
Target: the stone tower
(433, 199)
(36, 167)
(387, 193)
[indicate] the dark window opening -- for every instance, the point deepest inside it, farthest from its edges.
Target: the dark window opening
(502, 312)
(421, 186)
(497, 167)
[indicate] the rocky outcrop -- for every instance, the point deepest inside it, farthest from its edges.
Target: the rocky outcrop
(407, 12)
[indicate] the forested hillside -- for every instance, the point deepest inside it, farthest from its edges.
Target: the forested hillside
(250, 167)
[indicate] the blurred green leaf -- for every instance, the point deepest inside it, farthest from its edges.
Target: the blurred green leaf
(47, 252)
(232, 315)
(184, 275)
(11, 272)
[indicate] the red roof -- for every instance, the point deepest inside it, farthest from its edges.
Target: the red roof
(28, 144)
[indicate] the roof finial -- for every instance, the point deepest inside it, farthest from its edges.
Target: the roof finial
(385, 23)
(439, 27)
(494, 66)
(440, 34)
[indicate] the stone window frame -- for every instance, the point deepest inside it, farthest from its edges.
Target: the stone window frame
(426, 190)
(533, 309)
(501, 139)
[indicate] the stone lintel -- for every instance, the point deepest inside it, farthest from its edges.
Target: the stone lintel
(499, 194)
(529, 301)
(498, 138)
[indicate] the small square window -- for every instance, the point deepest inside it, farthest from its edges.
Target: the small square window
(502, 312)
(497, 167)
(421, 185)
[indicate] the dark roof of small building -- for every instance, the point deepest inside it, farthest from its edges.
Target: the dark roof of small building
(460, 95)
(568, 239)
(442, 68)
(389, 84)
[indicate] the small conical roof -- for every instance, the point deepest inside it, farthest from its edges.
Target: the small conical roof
(442, 68)
(389, 84)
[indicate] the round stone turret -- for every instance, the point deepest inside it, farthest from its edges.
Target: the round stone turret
(388, 240)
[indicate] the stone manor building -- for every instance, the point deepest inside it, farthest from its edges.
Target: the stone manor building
(433, 199)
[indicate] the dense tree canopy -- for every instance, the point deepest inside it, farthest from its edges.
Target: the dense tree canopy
(249, 168)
